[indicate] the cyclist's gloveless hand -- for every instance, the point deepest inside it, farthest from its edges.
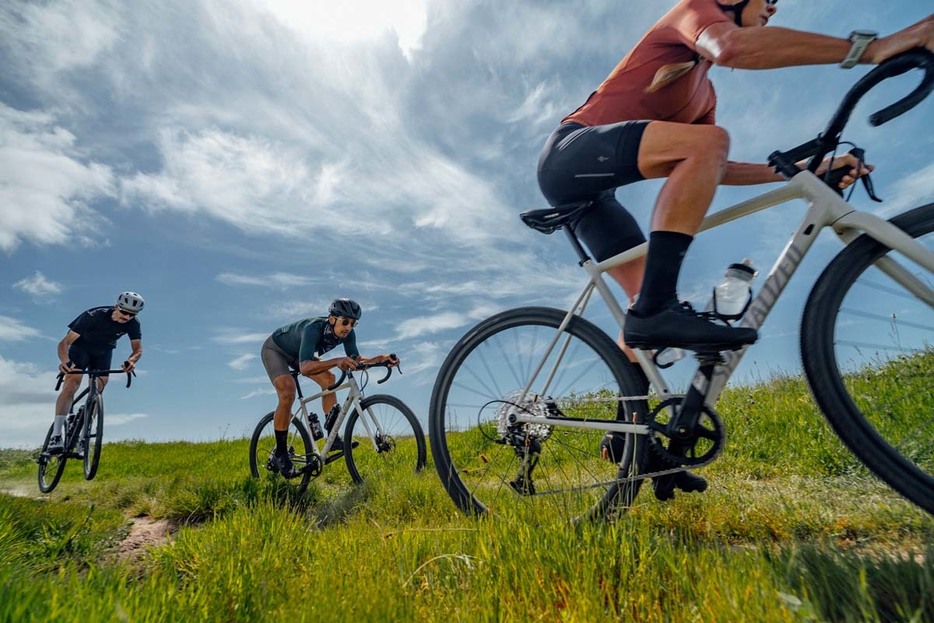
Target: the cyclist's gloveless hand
(845, 160)
(67, 367)
(391, 360)
(918, 35)
(128, 366)
(345, 363)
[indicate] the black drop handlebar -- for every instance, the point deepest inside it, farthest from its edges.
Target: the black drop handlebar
(93, 373)
(827, 141)
(367, 366)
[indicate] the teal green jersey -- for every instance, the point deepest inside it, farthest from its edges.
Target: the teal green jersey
(308, 339)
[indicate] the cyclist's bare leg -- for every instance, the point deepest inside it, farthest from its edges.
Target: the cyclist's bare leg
(694, 159)
(629, 277)
(67, 394)
(285, 390)
(325, 380)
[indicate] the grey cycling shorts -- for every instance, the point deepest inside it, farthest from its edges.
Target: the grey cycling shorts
(276, 361)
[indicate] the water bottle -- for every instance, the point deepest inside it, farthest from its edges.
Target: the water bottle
(732, 295)
(316, 433)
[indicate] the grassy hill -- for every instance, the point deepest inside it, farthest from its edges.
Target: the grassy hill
(791, 529)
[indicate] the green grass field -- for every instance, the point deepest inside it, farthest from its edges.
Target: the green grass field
(791, 529)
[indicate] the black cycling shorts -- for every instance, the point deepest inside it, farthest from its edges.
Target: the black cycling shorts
(588, 163)
(85, 359)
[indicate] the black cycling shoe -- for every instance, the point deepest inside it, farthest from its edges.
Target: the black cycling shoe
(338, 445)
(664, 486)
(283, 463)
(678, 325)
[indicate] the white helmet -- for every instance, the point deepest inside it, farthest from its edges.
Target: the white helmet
(130, 302)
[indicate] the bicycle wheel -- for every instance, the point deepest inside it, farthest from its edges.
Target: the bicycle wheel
(51, 466)
(94, 434)
(390, 440)
(866, 344)
(263, 445)
(489, 463)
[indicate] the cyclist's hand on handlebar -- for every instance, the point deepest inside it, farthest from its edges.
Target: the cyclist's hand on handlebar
(345, 363)
(845, 160)
(391, 360)
(918, 35)
(128, 366)
(67, 367)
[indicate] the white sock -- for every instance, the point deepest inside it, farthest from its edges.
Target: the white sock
(57, 425)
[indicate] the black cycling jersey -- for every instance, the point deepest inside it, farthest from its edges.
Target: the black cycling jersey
(98, 330)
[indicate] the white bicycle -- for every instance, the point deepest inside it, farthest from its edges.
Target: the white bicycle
(381, 437)
(523, 400)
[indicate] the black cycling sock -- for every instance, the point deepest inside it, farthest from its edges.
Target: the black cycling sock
(662, 266)
(281, 438)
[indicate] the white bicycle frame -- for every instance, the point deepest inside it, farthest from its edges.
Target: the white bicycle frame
(353, 401)
(825, 209)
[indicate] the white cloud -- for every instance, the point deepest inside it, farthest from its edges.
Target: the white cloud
(119, 419)
(912, 190)
(27, 405)
(235, 337)
(242, 362)
(273, 280)
(12, 330)
(266, 391)
(45, 188)
(60, 36)
(38, 286)
(353, 21)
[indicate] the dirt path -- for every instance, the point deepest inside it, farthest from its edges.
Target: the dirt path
(144, 532)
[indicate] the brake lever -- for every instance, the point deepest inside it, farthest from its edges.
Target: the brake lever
(833, 178)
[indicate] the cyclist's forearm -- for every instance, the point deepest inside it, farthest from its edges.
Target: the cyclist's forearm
(136, 354)
(748, 173)
(312, 367)
(770, 48)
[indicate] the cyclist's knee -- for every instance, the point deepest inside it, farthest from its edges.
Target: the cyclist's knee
(324, 379)
(285, 388)
(710, 141)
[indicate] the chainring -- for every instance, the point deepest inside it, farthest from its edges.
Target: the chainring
(700, 448)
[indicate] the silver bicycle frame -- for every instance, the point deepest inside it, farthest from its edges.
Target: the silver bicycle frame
(825, 209)
(353, 401)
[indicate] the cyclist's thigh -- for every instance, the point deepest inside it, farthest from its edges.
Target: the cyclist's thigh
(275, 361)
(580, 162)
(664, 144)
(607, 228)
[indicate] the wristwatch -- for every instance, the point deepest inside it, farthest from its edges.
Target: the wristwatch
(860, 40)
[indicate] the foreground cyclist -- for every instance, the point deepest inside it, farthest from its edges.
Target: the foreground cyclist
(89, 344)
(298, 346)
(653, 117)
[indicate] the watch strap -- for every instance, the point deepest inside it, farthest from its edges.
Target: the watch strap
(859, 41)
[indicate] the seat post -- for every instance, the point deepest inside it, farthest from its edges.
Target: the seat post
(298, 386)
(577, 245)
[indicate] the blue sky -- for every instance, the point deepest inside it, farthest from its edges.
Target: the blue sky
(241, 163)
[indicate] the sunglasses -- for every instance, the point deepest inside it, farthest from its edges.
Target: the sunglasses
(771, 2)
(126, 313)
(347, 321)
